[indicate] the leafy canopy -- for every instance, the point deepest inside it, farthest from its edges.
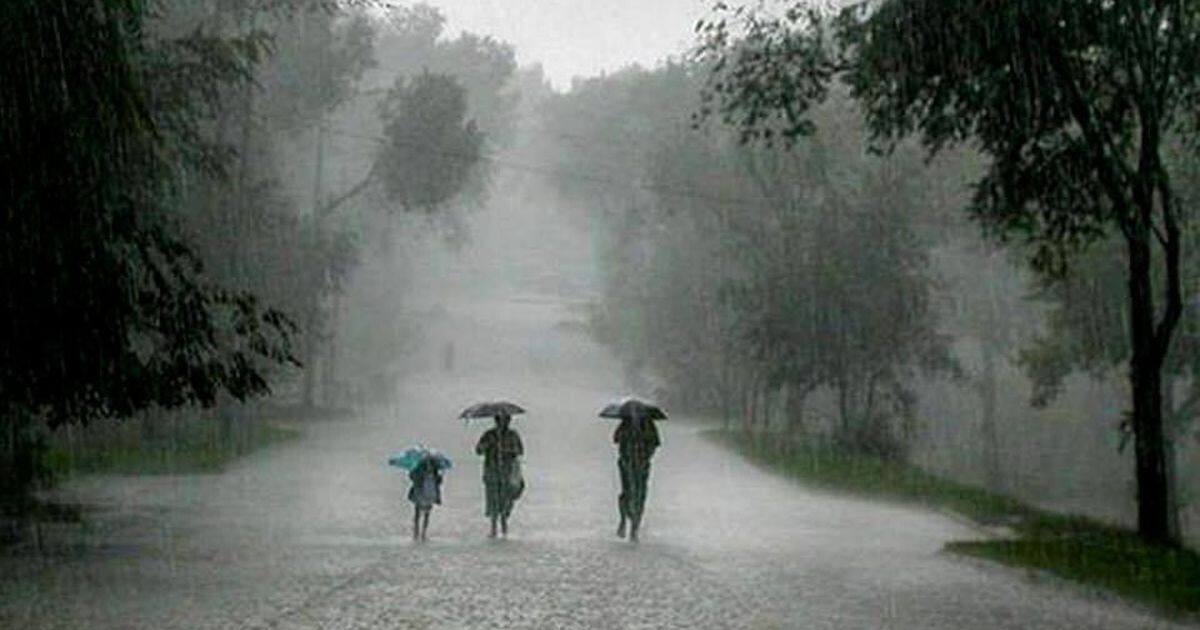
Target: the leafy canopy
(430, 149)
(105, 309)
(1067, 97)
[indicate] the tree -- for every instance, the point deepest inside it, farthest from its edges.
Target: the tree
(1072, 101)
(106, 310)
(431, 149)
(727, 278)
(1084, 334)
(859, 325)
(337, 77)
(316, 72)
(412, 40)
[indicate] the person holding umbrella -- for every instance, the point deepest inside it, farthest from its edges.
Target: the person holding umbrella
(501, 449)
(636, 438)
(425, 492)
(424, 466)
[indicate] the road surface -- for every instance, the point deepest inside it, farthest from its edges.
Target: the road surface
(314, 533)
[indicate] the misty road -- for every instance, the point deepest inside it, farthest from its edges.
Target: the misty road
(314, 533)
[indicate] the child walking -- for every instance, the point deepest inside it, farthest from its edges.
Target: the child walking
(426, 491)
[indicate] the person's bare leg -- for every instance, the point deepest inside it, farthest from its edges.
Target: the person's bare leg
(624, 515)
(623, 499)
(637, 506)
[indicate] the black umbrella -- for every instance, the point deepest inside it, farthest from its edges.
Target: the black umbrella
(632, 407)
(491, 410)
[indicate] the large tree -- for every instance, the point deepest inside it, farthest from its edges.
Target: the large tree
(1072, 101)
(726, 274)
(106, 310)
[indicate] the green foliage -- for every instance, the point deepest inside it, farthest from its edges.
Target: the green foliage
(430, 149)
(730, 272)
(1073, 102)
(1118, 561)
(412, 41)
(108, 310)
(194, 446)
(1071, 547)
(1087, 334)
(1056, 93)
(831, 468)
(317, 62)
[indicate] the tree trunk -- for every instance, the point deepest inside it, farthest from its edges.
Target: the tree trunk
(329, 387)
(311, 348)
(844, 408)
(795, 428)
(312, 329)
(748, 409)
(987, 395)
(1145, 377)
(1171, 430)
(726, 403)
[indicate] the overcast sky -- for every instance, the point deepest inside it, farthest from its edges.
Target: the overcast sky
(580, 37)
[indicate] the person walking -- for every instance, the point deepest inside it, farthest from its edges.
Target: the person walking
(503, 484)
(636, 438)
(425, 492)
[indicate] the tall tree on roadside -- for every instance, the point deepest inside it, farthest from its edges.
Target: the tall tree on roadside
(106, 311)
(1085, 334)
(320, 55)
(1072, 100)
(430, 148)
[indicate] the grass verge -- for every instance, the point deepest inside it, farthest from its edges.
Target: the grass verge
(190, 451)
(1072, 547)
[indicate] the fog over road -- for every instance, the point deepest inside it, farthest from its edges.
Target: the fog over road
(314, 533)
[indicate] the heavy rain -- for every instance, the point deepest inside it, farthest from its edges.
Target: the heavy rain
(582, 314)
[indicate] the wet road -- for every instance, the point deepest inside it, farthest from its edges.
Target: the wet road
(314, 534)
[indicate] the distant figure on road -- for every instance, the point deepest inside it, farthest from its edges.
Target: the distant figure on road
(636, 439)
(502, 482)
(448, 357)
(426, 491)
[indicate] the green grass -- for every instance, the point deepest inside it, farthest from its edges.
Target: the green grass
(1072, 547)
(1167, 579)
(871, 477)
(190, 453)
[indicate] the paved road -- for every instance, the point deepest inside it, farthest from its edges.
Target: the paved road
(313, 534)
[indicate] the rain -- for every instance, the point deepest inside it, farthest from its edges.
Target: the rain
(678, 314)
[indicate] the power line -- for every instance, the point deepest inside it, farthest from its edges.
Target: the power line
(676, 191)
(665, 190)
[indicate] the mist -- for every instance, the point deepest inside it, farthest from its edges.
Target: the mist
(918, 327)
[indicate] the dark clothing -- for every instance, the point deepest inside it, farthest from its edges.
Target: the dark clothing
(426, 490)
(502, 480)
(499, 449)
(500, 494)
(635, 481)
(636, 443)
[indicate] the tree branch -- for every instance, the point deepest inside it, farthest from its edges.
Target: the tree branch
(325, 211)
(1184, 410)
(1171, 248)
(1159, 235)
(1110, 179)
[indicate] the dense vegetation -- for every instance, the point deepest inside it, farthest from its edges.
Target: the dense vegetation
(1075, 104)
(159, 252)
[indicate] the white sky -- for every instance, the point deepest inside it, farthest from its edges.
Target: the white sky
(580, 37)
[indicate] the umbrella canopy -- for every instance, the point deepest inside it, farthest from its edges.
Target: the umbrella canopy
(412, 456)
(632, 407)
(491, 410)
